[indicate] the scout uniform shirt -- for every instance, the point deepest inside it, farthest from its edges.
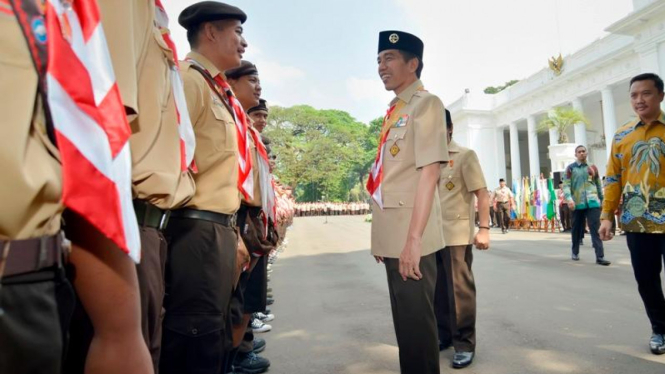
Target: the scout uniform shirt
(141, 63)
(459, 178)
(31, 187)
(417, 138)
(502, 195)
(216, 154)
(635, 174)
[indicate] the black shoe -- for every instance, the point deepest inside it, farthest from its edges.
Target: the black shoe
(270, 301)
(657, 344)
(603, 261)
(575, 257)
(445, 345)
(462, 359)
(250, 363)
(258, 345)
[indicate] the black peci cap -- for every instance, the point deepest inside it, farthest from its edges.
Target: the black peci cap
(263, 105)
(206, 11)
(401, 40)
(245, 68)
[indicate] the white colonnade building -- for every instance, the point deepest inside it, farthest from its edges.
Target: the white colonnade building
(501, 128)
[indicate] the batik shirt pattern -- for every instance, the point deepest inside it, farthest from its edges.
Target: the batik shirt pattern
(582, 184)
(634, 173)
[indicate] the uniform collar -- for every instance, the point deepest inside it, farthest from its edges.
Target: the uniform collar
(203, 61)
(661, 120)
(408, 93)
(453, 147)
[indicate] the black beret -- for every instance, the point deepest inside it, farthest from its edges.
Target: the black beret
(245, 68)
(262, 106)
(401, 40)
(206, 11)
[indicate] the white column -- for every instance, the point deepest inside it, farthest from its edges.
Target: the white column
(534, 157)
(580, 128)
(500, 155)
(609, 118)
(515, 161)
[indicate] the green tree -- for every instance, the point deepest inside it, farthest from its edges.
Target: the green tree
(491, 90)
(319, 152)
(560, 119)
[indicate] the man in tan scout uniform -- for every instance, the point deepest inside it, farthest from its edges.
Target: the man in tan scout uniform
(202, 241)
(142, 61)
(247, 87)
(462, 182)
(406, 224)
(502, 201)
(36, 298)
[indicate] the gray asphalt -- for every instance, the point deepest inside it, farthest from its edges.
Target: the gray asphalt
(538, 312)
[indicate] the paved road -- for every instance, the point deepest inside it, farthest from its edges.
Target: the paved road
(538, 312)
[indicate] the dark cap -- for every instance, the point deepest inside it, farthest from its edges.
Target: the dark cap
(262, 106)
(206, 11)
(245, 68)
(401, 40)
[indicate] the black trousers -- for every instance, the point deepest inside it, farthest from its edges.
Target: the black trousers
(412, 305)
(504, 215)
(151, 286)
(592, 217)
(33, 329)
(455, 298)
(564, 213)
(647, 253)
(199, 282)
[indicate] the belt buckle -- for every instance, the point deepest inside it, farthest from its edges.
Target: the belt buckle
(233, 219)
(164, 221)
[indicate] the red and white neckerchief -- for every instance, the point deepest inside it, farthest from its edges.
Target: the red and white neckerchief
(91, 128)
(376, 172)
(185, 128)
(245, 178)
(268, 205)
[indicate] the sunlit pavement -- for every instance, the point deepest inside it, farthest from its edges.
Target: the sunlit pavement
(538, 311)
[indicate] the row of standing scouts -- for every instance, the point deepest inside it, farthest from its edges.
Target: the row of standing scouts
(203, 204)
(331, 209)
(423, 186)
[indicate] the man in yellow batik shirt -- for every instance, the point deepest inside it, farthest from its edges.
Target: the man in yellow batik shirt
(634, 173)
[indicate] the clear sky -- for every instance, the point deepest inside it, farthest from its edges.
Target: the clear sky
(323, 53)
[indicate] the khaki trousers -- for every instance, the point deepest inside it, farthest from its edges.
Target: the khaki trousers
(455, 299)
(412, 305)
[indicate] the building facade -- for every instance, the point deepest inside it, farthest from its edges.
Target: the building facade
(502, 128)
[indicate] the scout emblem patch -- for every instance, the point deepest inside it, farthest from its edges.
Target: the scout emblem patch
(401, 122)
(450, 186)
(394, 150)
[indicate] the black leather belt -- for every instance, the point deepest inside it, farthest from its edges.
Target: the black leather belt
(148, 215)
(228, 220)
(30, 255)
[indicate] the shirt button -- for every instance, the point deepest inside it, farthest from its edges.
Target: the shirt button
(401, 203)
(458, 216)
(195, 331)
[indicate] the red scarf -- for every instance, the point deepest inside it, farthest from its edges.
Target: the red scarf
(376, 173)
(86, 114)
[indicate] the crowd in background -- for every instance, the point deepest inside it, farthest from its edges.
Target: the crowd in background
(331, 209)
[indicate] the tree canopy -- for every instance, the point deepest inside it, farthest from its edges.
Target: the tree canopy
(491, 90)
(323, 154)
